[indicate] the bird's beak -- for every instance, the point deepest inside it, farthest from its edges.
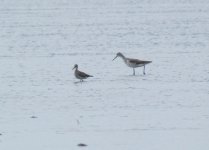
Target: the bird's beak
(73, 68)
(115, 58)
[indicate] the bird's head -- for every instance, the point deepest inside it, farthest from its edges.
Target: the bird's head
(119, 54)
(75, 66)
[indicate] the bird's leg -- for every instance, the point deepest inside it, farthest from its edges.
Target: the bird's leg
(133, 71)
(144, 70)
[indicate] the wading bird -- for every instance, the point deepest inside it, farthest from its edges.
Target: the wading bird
(79, 74)
(133, 63)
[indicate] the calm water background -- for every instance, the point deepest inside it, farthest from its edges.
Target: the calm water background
(40, 41)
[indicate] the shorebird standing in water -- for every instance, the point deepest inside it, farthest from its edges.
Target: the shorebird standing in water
(133, 63)
(80, 75)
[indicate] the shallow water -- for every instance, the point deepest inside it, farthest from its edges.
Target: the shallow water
(44, 107)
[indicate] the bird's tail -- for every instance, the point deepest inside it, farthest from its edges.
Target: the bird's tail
(147, 62)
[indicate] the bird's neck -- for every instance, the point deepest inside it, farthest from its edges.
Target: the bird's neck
(123, 57)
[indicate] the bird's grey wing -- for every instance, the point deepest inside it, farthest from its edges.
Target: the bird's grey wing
(84, 75)
(137, 61)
